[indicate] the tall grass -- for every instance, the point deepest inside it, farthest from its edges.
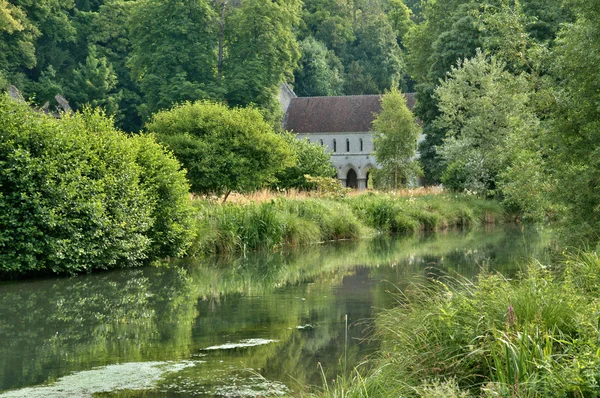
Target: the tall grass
(271, 224)
(535, 336)
(230, 228)
(389, 213)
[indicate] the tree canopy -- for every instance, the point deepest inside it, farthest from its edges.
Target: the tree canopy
(395, 138)
(223, 149)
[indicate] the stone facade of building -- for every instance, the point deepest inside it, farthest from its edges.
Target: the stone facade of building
(343, 126)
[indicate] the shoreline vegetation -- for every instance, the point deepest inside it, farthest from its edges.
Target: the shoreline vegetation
(533, 336)
(273, 222)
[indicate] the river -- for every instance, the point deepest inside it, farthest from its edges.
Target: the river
(267, 324)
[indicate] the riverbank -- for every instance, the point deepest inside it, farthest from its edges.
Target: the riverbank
(145, 331)
(535, 336)
(271, 225)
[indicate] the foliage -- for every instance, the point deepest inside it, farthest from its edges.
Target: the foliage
(534, 336)
(573, 142)
(518, 33)
(75, 196)
(484, 112)
(167, 189)
(319, 72)
(222, 149)
(95, 84)
(231, 228)
(177, 62)
(395, 139)
(375, 61)
(262, 50)
(311, 159)
(327, 186)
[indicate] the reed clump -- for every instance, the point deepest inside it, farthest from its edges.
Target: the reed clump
(535, 336)
(401, 214)
(242, 226)
(230, 228)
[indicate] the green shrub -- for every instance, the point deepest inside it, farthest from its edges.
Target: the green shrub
(165, 184)
(222, 149)
(75, 195)
(311, 160)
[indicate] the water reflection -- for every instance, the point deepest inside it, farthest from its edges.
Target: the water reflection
(292, 303)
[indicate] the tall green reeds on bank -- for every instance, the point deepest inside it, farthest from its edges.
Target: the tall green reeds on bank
(535, 336)
(235, 228)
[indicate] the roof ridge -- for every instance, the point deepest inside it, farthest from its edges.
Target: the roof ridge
(349, 96)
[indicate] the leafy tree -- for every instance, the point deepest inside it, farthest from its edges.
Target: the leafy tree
(329, 22)
(573, 142)
(223, 149)
(112, 40)
(484, 112)
(262, 50)
(95, 84)
(311, 160)
(173, 56)
(399, 16)
(17, 38)
(320, 72)
(46, 87)
(453, 30)
(395, 138)
(376, 59)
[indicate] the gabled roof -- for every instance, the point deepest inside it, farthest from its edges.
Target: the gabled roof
(352, 113)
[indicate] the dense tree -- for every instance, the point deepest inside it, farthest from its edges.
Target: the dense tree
(78, 195)
(376, 59)
(262, 50)
(173, 55)
(17, 38)
(395, 138)
(573, 140)
(320, 72)
(399, 16)
(222, 149)
(453, 30)
(329, 22)
(111, 38)
(485, 114)
(95, 84)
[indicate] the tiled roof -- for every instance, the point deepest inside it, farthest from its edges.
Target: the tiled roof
(353, 113)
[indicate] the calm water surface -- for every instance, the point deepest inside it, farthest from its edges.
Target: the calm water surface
(254, 326)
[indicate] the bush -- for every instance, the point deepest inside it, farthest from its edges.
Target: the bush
(311, 161)
(78, 195)
(222, 149)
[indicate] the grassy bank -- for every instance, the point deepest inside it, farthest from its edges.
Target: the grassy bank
(535, 336)
(240, 227)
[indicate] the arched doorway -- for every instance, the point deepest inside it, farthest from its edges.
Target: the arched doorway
(351, 179)
(368, 180)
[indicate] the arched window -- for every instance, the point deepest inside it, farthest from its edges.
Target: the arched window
(334, 146)
(347, 145)
(361, 145)
(321, 142)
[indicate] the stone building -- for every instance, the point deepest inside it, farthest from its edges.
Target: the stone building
(342, 125)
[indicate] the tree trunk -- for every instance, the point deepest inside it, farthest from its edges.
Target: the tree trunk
(226, 196)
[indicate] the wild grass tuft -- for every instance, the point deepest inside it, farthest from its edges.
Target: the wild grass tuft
(270, 224)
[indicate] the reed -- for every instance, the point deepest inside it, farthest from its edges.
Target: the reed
(270, 224)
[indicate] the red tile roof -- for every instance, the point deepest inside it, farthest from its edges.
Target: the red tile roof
(352, 113)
